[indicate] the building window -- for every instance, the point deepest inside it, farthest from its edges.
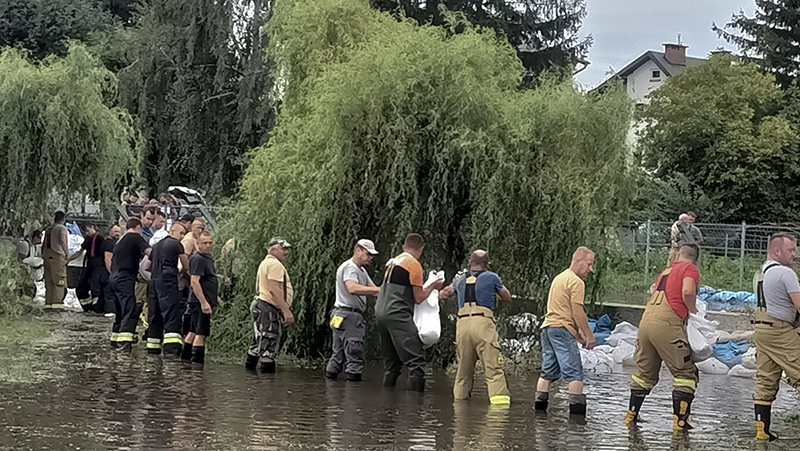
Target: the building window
(656, 74)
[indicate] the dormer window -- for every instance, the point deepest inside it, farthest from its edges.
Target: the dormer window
(656, 74)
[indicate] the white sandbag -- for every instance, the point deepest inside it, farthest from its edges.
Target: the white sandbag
(599, 360)
(740, 371)
(426, 314)
(749, 358)
(40, 292)
(71, 302)
(624, 331)
(702, 334)
(623, 353)
(712, 366)
(74, 243)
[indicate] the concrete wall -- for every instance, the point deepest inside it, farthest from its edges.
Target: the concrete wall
(728, 321)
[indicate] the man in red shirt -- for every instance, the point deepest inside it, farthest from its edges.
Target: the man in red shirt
(662, 337)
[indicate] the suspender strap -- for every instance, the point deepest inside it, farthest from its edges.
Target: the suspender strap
(761, 301)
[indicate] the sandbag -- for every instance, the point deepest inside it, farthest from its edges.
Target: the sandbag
(712, 366)
(624, 331)
(749, 358)
(702, 334)
(740, 371)
(426, 314)
(599, 360)
(623, 353)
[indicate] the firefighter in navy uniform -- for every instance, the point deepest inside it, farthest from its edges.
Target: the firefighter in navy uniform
(776, 337)
(662, 337)
(476, 335)
(128, 252)
(165, 311)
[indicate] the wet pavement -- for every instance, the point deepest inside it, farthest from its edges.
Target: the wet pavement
(86, 396)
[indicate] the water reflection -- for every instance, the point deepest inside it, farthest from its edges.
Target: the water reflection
(87, 396)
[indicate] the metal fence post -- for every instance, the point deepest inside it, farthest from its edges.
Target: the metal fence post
(647, 254)
(741, 256)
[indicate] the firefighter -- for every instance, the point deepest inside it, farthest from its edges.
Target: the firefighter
(777, 318)
(662, 337)
(128, 252)
(165, 310)
(476, 335)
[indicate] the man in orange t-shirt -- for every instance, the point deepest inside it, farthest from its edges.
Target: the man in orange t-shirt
(662, 337)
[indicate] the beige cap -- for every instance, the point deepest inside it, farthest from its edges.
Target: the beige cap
(368, 245)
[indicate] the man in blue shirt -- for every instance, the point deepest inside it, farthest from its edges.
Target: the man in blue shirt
(476, 335)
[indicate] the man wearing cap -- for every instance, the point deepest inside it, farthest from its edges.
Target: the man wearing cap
(270, 308)
(353, 284)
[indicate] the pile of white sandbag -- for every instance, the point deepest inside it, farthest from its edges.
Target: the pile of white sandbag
(609, 358)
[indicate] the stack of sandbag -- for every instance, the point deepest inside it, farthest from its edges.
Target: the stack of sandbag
(702, 334)
(618, 351)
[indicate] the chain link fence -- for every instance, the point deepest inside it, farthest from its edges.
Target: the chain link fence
(737, 246)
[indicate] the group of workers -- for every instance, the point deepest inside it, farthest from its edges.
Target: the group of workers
(166, 277)
(185, 254)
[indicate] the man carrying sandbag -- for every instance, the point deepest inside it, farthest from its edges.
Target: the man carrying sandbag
(476, 335)
(662, 337)
(353, 285)
(777, 317)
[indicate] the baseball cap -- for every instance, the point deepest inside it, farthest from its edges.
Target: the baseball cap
(278, 241)
(368, 245)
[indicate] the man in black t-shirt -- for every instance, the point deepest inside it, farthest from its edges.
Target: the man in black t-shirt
(124, 269)
(107, 304)
(88, 289)
(202, 299)
(164, 309)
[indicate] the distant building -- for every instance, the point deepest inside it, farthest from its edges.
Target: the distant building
(649, 71)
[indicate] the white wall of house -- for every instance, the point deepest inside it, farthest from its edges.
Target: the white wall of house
(643, 81)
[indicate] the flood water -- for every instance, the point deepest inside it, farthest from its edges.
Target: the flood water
(86, 396)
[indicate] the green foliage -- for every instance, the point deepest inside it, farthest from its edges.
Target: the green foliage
(388, 128)
(719, 125)
(770, 37)
(197, 81)
(16, 286)
(666, 199)
(546, 33)
(43, 27)
(58, 133)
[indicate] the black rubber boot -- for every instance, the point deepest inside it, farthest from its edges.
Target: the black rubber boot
(199, 354)
(172, 349)
(268, 368)
(416, 384)
(353, 377)
(541, 401)
(251, 363)
(186, 353)
(577, 405)
(635, 405)
(763, 421)
(154, 351)
(390, 379)
(126, 346)
(681, 409)
(331, 376)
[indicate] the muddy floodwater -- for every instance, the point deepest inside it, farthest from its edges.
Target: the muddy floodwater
(83, 395)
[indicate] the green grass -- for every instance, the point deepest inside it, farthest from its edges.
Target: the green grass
(17, 337)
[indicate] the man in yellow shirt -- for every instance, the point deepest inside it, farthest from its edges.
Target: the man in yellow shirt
(270, 308)
(566, 325)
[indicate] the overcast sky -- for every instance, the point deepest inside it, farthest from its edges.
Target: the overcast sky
(624, 29)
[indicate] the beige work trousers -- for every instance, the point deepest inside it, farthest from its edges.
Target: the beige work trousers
(777, 352)
(476, 339)
(55, 277)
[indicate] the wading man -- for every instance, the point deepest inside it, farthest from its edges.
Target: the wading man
(777, 318)
(124, 270)
(89, 290)
(203, 298)
(54, 254)
(353, 285)
(271, 307)
(476, 335)
(565, 325)
(394, 314)
(165, 312)
(662, 337)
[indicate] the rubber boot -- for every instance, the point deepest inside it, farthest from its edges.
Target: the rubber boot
(331, 376)
(351, 377)
(268, 368)
(681, 409)
(577, 405)
(153, 346)
(125, 346)
(199, 355)
(186, 353)
(763, 420)
(172, 349)
(390, 379)
(541, 401)
(416, 383)
(635, 405)
(251, 363)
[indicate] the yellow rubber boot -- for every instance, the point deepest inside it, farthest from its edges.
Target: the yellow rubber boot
(682, 407)
(763, 420)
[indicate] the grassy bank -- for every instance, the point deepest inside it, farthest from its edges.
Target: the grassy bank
(17, 337)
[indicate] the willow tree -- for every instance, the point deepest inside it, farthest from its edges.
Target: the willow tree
(390, 127)
(58, 133)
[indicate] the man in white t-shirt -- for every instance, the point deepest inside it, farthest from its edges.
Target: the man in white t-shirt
(353, 285)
